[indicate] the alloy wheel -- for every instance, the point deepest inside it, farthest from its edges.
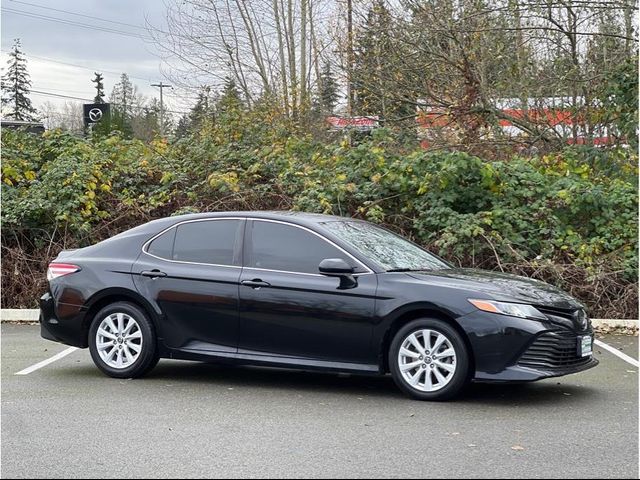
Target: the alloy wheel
(427, 360)
(119, 340)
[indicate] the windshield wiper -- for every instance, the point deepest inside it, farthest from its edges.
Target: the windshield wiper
(409, 269)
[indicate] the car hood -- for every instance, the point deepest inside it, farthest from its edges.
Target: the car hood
(500, 286)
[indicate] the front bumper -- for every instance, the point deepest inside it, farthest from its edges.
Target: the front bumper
(518, 373)
(513, 349)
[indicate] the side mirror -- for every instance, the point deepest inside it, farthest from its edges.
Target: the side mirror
(337, 267)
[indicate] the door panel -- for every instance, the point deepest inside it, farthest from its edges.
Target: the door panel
(307, 316)
(198, 301)
(287, 308)
(199, 304)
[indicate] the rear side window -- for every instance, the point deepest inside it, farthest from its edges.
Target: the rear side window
(210, 241)
(163, 245)
(276, 246)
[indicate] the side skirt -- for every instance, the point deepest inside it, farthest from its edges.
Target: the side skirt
(248, 358)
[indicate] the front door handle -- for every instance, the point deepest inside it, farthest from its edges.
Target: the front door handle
(256, 283)
(153, 273)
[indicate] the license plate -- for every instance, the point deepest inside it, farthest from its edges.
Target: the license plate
(585, 346)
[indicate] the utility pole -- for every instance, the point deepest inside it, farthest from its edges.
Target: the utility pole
(350, 93)
(162, 86)
(350, 58)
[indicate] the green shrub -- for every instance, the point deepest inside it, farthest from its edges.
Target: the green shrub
(569, 218)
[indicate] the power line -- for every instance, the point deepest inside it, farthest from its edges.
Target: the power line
(101, 70)
(79, 14)
(147, 29)
(81, 66)
(40, 92)
(71, 97)
(63, 90)
(59, 95)
(75, 24)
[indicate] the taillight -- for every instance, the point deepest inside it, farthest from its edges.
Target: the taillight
(56, 270)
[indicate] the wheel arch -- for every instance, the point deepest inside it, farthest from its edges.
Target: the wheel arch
(414, 314)
(112, 295)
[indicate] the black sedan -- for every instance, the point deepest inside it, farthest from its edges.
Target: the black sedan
(307, 291)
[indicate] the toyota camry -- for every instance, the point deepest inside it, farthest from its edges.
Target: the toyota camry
(312, 292)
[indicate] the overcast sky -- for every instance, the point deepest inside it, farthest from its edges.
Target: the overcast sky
(56, 34)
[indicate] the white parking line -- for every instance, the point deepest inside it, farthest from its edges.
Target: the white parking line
(618, 353)
(44, 363)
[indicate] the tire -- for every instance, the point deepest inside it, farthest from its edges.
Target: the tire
(130, 354)
(448, 372)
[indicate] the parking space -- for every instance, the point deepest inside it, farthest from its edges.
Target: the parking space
(191, 419)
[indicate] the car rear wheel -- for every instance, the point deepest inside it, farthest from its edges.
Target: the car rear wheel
(122, 341)
(429, 360)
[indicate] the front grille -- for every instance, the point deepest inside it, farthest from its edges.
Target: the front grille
(575, 319)
(553, 350)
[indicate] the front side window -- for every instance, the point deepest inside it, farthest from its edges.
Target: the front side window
(391, 251)
(211, 241)
(276, 246)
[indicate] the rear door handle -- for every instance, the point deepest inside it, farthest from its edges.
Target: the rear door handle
(256, 283)
(153, 273)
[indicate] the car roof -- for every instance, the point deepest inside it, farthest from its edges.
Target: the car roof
(284, 215)
(300, 218)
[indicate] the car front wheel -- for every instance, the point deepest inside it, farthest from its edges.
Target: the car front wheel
(122, 341)
(429, 360)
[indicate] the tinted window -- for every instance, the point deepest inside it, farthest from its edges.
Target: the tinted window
(281, 247)
(388, 249)
(163, 245)
(206, 242)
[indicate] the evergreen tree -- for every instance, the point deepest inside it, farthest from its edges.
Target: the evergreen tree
(229, 111)
(328, 90)
(15, 87)
(377, 77)
(99, 81)
(182, 129)
(123, 98)
(200, 111)
(230, 100)
(124, 95)
(146, 123)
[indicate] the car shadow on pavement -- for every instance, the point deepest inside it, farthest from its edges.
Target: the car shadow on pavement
(266, 378)
(549, 391)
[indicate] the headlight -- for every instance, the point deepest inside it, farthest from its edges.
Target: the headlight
(513, 309)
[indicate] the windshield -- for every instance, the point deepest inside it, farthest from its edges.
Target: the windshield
(391, 251)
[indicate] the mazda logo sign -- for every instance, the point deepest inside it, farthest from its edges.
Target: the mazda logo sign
(95, 114)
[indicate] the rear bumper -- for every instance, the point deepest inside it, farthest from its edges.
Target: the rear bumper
(62, 325)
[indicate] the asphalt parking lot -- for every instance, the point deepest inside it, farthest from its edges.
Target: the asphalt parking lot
(196, 420)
